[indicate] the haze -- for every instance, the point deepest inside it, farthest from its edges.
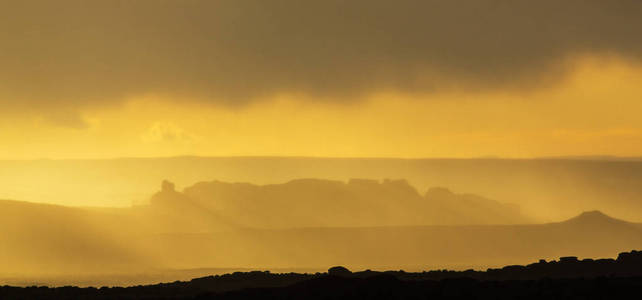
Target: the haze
(337, 126)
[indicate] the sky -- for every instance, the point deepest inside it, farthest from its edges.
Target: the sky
(408, 78)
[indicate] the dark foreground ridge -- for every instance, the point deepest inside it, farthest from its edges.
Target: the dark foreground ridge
(567, 278)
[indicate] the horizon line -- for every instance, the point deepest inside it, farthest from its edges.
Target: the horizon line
(483, 157)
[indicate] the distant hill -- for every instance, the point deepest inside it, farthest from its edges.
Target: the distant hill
(359, 202)
(550, 189)
(415, 247)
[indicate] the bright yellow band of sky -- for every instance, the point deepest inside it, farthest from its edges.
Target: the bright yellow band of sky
(593, 111)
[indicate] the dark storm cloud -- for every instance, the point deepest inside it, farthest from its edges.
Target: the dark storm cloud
(72, 53)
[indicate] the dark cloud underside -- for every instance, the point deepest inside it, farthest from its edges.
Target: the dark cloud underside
(70, 53)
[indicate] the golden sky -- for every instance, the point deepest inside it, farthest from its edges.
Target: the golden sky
(387, 79)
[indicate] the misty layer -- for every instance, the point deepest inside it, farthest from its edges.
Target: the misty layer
(547, 189)
(225, 225)
(232, 51)
(323, 203)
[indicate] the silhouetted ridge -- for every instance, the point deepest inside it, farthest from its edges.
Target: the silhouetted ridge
(339, 271)
(439, 192)
(169, 196)
(595, 217)
(568, 278)
(552, 188)
(358, 202)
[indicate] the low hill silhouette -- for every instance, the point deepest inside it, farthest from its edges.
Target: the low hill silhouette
(568, 278)
(472, 245)
(359, 202)
(596, 218)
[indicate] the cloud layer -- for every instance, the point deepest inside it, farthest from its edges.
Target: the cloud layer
(71, 53)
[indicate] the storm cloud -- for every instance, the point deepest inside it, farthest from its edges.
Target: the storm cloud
(71, 53)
